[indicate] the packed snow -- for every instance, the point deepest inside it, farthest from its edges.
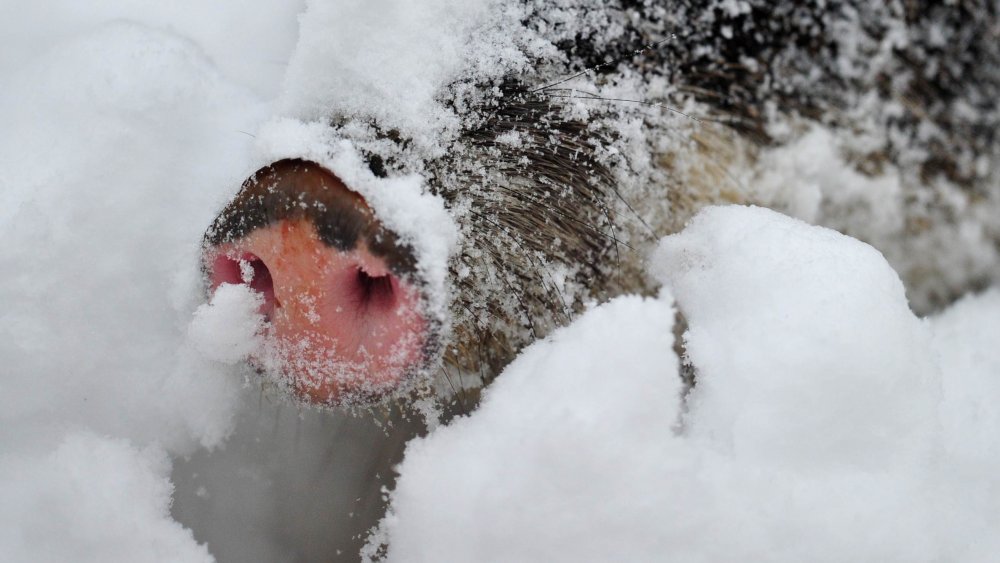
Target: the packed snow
(828, 422)
(91, 499)
(810, 178)
(391, 77)
(121, 138)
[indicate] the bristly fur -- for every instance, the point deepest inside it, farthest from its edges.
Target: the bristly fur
(818, 58)
(539, 224)
(540, 187)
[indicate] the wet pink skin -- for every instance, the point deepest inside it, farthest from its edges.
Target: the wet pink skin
(340, 324)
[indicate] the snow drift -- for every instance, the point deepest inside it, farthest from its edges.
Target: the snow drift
(826, 423)
(102, 204)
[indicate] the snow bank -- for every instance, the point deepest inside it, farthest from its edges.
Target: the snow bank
(793, 323)
(250, 43)
(818, 429)
(91, 499)
(519, 477)
(119, 142)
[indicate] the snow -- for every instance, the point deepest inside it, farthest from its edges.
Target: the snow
(387, 61)
(249, 45)
(525, 465)
(965, 341)
(795, 323)
(227, 329)
(823, 179)
(828, 423)
(103, 245)
(92, 499)
(121, 139)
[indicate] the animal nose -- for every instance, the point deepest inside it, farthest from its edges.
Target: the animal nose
(344, 315)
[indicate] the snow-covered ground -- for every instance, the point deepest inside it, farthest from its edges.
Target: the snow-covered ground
(828, 423)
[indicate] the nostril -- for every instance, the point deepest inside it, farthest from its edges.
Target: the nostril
(225, 270)
(250, 270)
(375, 291)
(259, 278)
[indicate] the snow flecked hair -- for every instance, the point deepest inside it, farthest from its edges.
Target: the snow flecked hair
(579, 132)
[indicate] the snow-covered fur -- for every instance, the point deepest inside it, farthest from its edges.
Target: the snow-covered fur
(592, 128)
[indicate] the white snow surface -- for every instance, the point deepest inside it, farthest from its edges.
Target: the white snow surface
(388, 60)
(102, 232)
(91, 499)
(121, 138)
(249, 43)
(828, 423)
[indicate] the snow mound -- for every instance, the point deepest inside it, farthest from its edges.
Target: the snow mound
(817, 430)
(102, 206)
(796, 323)
(516, 479)
(966, 339)
(92, 499)
(95, 311)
